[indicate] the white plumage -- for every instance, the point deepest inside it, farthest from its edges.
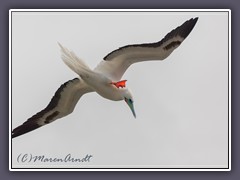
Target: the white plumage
(105, 78)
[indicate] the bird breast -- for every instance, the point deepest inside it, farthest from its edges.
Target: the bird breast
(103, 86)
(110, 92)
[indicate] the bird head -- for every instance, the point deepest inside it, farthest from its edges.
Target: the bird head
(127, 97)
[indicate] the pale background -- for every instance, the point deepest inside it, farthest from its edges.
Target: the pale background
(181, 103)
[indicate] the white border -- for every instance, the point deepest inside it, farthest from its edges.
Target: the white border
(120, 10)
(229, 89)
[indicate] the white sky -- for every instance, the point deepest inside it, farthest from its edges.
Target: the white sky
(181, 103)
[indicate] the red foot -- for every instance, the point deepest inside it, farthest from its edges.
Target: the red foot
(119, 84)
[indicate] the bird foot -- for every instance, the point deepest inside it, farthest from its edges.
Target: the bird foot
(119, 84)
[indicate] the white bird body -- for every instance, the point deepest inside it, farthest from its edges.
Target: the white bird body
(102, 85)
(105, 78)
(96, 80)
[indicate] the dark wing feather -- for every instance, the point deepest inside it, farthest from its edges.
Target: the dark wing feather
(62, 103)
(116, 63)
(182, 31)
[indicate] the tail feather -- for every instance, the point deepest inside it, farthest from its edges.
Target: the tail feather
(73, 62)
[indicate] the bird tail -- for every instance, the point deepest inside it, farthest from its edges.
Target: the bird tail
(74, 62)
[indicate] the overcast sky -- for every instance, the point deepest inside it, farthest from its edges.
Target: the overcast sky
(181, 103)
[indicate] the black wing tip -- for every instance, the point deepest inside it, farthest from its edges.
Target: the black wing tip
(186, 28)
(183, 31)
(24, 128)
(31, 123)
(193, 21)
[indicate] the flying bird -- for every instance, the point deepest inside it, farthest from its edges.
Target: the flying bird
(105, 79)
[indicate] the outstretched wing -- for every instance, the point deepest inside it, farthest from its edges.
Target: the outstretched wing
(62, 103)
(116, 63)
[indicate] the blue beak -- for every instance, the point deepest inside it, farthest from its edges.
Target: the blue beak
(130, 104)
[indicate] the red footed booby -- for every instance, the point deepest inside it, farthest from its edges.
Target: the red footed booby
(105, 79)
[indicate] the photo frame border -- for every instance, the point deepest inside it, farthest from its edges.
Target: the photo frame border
(121, 169)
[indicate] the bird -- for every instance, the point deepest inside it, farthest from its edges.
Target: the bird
(105, 79)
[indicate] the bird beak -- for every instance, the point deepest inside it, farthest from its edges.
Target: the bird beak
(130, 104)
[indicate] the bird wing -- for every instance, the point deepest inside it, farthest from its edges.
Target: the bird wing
(62, 103)
(116, 63)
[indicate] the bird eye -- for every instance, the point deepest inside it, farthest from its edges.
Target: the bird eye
(130, 100)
